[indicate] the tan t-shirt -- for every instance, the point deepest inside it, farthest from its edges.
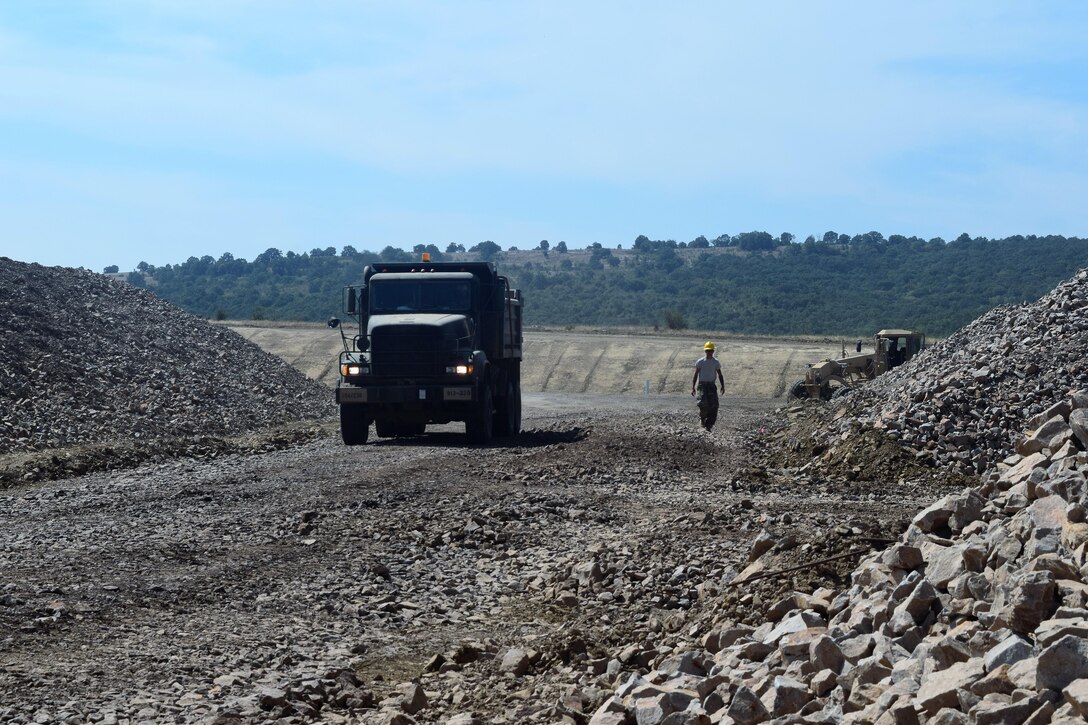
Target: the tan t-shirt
(708, 369)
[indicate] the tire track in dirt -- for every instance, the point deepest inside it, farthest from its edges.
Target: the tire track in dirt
(780, 385)
(552, 369)
(329, 374)
(593, 369)
(629, 367)
(668, 368)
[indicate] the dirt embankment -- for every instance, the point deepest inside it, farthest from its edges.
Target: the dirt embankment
(559, 361)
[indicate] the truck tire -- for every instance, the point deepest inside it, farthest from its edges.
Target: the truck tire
(384, 428)
(508, 407)
(354, 425)
(479, 425)
(798, 391)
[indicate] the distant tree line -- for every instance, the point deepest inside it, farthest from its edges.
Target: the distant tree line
(749, 283)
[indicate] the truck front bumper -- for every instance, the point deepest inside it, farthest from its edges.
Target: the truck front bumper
(423, 396)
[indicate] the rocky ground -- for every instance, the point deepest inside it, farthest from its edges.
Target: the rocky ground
(915, 552)
(515, 584)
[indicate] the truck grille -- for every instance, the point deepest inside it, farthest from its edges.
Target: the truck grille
(407, 352)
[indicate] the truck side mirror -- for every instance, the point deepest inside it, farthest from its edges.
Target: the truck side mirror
(858, 347)
(334, 322)
(351, 303)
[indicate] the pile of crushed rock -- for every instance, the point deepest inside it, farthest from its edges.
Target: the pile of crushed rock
(979, 612)
(962, 402)
(84, 361)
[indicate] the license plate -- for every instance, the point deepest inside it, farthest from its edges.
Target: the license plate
(457, 393)
(352, 395)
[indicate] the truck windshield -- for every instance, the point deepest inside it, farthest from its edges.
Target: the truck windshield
(420, 296)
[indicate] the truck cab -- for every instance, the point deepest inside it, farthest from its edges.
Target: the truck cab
(895, 347)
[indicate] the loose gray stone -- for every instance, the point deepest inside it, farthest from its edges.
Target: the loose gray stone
(1063, 662)
(1078, 423)
(1076, 694)
(746, 709)
(940, 689)
(1025, 601)
(826, 655)
(515, 661)
(786, 696)
(1010, 650)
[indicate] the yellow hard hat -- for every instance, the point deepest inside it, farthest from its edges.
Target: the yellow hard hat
(709, 345)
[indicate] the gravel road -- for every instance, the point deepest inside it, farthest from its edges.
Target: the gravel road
(413, 578)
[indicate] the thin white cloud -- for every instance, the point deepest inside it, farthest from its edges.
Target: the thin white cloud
(661, 95)
(785, 101)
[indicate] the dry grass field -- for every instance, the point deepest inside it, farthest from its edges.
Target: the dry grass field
(591, 361)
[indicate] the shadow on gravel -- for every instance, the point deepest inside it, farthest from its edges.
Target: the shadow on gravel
(532, 438)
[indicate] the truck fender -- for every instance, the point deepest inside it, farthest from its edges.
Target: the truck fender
(481, 364)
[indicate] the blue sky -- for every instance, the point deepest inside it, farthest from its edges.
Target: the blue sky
(156, 130)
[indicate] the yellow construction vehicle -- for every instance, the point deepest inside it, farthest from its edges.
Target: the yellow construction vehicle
(830, 378)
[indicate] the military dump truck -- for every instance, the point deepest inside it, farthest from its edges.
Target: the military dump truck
(829, 378)
(437, 342)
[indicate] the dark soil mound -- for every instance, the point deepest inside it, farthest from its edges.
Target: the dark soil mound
(84, 361)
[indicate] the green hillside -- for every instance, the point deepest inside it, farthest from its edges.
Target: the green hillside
(752, 283)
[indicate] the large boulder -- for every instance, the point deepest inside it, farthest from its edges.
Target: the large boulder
(1078, 423)
(1025, 601)
(1063, 662)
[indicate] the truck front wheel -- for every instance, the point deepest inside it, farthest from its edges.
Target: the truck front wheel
(354, 425)
(479, 424)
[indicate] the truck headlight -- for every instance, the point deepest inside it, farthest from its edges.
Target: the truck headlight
(350, 369)
(460, 369)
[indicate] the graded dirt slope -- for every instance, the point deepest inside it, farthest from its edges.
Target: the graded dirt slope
(591, 362)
